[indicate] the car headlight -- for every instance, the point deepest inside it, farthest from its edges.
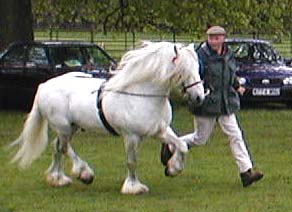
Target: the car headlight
(287, 81)
(242, 81)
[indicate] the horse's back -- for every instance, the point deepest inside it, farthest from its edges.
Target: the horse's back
(70, 99)
(74, 82)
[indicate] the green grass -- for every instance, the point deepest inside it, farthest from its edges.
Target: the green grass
(210, 181)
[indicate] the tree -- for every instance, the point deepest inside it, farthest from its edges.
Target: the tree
(16, 21)
(176, 16)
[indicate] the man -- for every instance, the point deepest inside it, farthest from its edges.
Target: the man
(217, 69)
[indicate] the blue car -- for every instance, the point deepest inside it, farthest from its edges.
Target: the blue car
(262, 71)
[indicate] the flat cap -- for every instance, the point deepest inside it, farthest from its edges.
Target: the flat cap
(216, 30)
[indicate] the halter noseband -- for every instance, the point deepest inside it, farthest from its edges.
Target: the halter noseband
(185, 88)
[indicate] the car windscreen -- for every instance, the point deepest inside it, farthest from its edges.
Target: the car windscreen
(253, 52)
(16, 56)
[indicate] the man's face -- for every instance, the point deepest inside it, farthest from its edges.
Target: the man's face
(216, 41)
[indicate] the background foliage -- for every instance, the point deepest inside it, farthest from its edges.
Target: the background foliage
(188, 16)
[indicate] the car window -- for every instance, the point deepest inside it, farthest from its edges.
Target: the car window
(37, 55)
(73, 57)
(253, 52)
(15, 56)
(67, 56)
(89, 57)
(264, 52)
(96, 57)
(241, 50)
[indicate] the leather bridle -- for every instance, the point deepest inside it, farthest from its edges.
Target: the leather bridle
(186, 87)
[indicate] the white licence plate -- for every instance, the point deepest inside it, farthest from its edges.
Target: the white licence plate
(266, 91)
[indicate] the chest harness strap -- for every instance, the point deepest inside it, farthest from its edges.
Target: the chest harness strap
(101, 114)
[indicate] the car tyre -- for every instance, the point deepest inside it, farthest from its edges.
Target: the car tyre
(1, 102)
(289, 105)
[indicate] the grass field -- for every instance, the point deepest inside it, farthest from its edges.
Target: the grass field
(210, 181)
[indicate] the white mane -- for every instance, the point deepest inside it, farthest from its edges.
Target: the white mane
(188, 63)
(152, 62)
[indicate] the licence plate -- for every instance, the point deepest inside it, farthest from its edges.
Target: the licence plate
(266, 91)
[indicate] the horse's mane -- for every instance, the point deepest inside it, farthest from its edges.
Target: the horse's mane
(140, 65)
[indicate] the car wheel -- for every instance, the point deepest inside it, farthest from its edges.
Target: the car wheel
(1, 102)
(289, 105)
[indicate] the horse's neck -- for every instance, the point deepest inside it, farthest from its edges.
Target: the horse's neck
(137, 83)
(147, 88)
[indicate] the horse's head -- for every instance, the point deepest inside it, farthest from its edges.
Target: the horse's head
(186, 61)
(159, 64)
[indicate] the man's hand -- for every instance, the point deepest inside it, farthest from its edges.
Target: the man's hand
(241, 90)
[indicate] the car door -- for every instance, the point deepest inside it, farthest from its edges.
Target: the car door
(36, 70)
(11, 72)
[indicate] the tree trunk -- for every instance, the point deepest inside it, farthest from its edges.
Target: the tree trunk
(15, 21)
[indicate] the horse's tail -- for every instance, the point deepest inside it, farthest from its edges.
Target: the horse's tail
(34, 137)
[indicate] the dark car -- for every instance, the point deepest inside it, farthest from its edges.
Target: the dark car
(24, 65)
(262, 71)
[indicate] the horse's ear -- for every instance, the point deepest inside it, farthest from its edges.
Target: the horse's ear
(174, 59)
(146, 43)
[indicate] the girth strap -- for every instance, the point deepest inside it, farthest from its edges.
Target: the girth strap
(101, 114)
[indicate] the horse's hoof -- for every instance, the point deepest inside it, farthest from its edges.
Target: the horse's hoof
(133, 187)
(58, 180)
(86, 178)
(165, 154)
(166, 172)
(87, 181)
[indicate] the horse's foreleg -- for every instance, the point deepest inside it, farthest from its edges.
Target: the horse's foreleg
(80, 168)
(174, 159)
(132, 185)
(55, 175)
(169, 137)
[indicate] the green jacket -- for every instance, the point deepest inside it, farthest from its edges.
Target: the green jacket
(218, 73)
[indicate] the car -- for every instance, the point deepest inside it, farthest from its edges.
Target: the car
(24, 65)
(265, 75)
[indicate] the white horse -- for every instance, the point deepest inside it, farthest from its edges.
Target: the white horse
(133, 103)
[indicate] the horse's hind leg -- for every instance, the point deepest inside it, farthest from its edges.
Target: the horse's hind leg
(80, 168)
(55, 174)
